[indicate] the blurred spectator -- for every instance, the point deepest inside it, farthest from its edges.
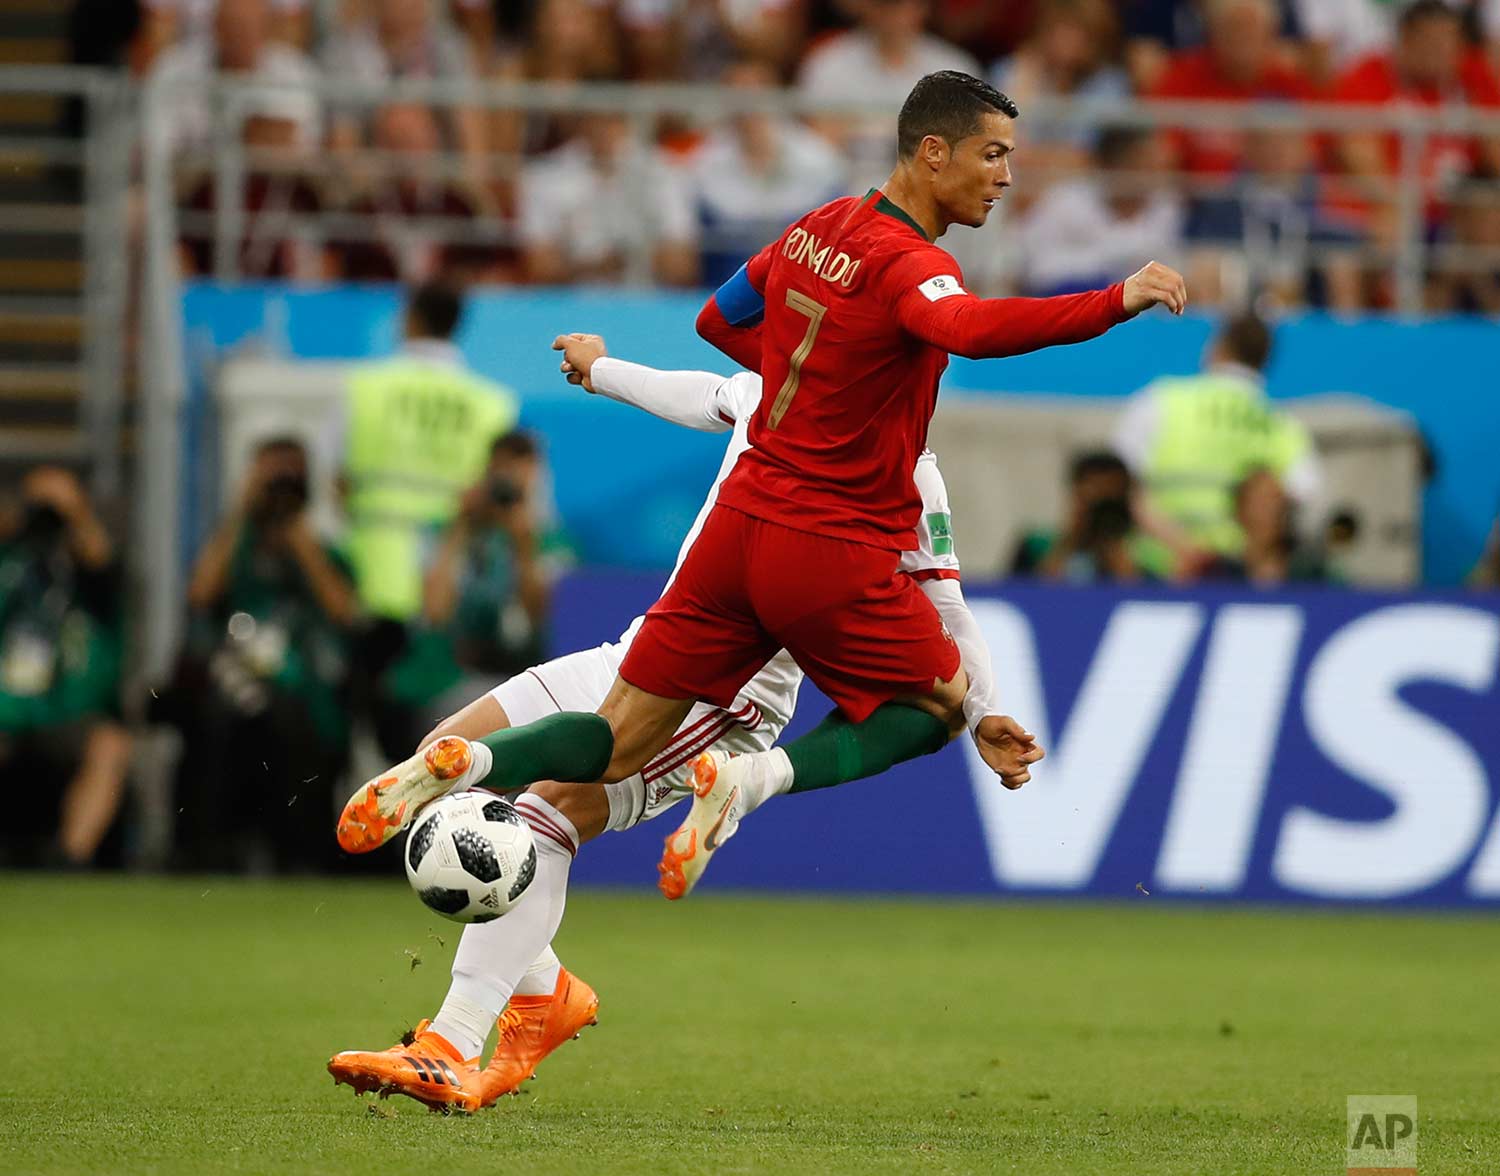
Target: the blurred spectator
(588, 206)
(754, 176)
(1112, 220)
(1067, 57)
(565, 43)
(1338, 33)
(1099, 539)
(61, 645)
(1430, 65)
(876, 63)
(1191, 440)
(415, 432)
(1156, 30)
(165, 23)
(259, 693)
(1472, 285)
(241, 46)
(1340, 536)
(404, 39)
(694, 40)
(1270, 236)
(1239, 63)
(418, 223)
(988, 30)
(276, 195)
(1271, 553)
(488, 589)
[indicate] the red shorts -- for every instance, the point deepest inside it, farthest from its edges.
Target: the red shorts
(864, 632)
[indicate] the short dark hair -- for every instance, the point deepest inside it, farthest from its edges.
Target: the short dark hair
(1422, 10)
(516, 443)
(1096, 461)
(436, 307)
(948, 104)
(1116, 141)
(1246, 339)
(280, 441)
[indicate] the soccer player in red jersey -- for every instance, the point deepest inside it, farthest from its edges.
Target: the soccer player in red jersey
(850, 317)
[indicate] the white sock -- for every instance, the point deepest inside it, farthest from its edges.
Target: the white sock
(484, 760)
(541, 977)
(492, 958)
(627, 801)
(770, 776)
(464, 1020)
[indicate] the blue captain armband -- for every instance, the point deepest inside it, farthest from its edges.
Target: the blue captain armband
(741, 304)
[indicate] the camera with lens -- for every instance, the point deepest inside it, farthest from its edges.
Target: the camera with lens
(1108, 520)
(42, 525)
(504, 492)
(282, 497)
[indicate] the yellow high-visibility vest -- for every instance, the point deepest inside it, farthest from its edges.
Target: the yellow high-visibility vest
(418, 435)
(1214, 430)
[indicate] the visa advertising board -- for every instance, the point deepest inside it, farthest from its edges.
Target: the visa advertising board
(1212, 744)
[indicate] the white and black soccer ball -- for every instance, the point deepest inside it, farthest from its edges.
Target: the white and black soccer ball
(470, 857)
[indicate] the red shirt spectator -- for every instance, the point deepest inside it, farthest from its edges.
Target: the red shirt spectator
(1377, 81)
(1240, 63)
(1428, 66)
(1195, 76)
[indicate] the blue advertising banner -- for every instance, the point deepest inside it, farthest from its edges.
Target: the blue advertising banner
(1204, 745)
(631, 509)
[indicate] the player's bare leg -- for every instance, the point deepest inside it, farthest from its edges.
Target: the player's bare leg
(726, 789)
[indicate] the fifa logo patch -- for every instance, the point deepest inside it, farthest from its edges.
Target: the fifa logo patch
(942, 286)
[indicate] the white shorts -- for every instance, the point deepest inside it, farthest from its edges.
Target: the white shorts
(579, 682)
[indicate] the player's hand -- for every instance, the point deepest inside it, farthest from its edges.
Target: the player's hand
(1008, 748)
(1152, 284)
(579, 352)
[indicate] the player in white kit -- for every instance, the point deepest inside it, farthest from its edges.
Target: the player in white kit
(508, 964)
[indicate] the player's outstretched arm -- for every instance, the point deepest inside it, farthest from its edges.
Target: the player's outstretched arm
(985, 328)
(695, 400)
(733, 318)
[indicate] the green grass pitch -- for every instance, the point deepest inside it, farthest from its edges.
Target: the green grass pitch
(183, 1026)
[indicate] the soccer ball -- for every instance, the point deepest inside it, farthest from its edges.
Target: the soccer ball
(470, 857)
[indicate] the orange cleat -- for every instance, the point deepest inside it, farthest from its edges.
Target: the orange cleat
(713, 820)
(386, 805)
(425, 1068)
(531, 1027)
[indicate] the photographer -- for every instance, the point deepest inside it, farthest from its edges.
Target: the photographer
(1272, 554)
(1099, 541)
(259, 694)
(488, 587)
(60, 654)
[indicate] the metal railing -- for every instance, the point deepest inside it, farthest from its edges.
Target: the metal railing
(229, 223)
(102, 157)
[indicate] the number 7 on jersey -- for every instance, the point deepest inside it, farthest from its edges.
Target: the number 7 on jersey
(814, 311)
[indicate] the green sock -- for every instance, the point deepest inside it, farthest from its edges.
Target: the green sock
(837, 751)
(573, 746)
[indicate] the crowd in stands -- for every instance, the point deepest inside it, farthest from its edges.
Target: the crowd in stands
(409, 191)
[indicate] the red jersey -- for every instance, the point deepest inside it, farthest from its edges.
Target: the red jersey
(860, 314)
(1195, 75)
